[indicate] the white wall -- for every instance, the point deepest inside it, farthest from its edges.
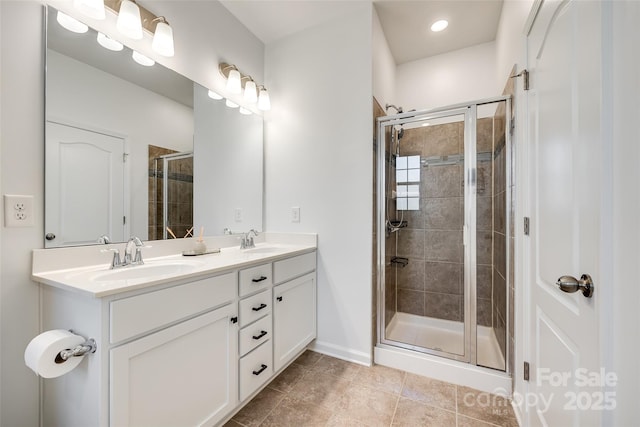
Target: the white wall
(93, 99)
(459, 76)
(384, 66)
(202, 31)
(318, 156)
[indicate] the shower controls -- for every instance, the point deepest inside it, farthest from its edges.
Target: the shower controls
(570, 285)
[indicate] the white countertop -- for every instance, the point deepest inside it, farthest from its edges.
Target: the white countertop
(76, 269)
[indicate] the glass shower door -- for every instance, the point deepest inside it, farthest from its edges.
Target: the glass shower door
(426, 259)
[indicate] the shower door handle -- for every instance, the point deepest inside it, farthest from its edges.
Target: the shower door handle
(570, 285)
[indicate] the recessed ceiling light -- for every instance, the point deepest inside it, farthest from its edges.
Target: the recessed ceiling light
(439, 25)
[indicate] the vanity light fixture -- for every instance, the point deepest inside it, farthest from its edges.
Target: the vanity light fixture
(245, 111)
(71, 24)
(91, 8)
(215, 95)
(264, 103)
(109, 43)
(229, 103)
(163, 38)
(142, 60)
(129, 22)
(236, 81)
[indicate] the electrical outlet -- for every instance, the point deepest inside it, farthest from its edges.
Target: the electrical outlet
(237, 214)
(18, 211)
(295, 214)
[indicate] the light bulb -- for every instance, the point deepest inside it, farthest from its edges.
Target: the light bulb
(229, 103)
(439, 25)
(71, 24)
(129, 22)
(109, 43)
(163, 39)
(142, 60)
(250, 94)
(214, 95)
(245, 111)
(91, 8)
(264, 103)
(234, 84)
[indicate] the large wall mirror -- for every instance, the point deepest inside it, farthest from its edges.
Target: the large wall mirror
(140, 150)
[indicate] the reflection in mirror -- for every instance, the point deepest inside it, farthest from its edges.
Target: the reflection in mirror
(119, 149)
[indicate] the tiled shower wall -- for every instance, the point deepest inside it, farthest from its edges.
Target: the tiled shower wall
(179, 197)
(432, 282)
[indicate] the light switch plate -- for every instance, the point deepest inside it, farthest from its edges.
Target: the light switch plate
(237, 214)
(18, 211)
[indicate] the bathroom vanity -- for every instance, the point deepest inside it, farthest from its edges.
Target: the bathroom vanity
(180, 340)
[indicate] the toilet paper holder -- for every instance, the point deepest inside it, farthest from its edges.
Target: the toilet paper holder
(88, 346)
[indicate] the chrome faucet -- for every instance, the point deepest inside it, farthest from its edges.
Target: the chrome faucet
(246, 242)
(133, 242)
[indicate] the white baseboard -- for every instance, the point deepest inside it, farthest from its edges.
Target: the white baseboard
(344, 353)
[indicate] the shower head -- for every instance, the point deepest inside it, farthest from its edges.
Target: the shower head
(398, 109)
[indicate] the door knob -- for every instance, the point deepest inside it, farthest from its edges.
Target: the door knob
(570, 285)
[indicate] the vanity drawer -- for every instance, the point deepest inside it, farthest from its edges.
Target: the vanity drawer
(255, 369)
(293, 267)
(254, 335)
(255, 307)
(141, 313)
(255, 278)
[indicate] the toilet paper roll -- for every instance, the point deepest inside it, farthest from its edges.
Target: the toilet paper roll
(41, 353)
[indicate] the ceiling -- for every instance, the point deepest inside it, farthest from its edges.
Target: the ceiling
(405, 23)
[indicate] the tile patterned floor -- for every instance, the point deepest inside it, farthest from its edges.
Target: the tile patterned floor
(318, 390)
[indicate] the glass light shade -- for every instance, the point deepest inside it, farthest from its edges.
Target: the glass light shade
(233, 82)
(439, 25)
(214, 95)
(163, 39)
(245, 111)
(71, 24)
(229, 103)
(264, 103)
(250, 93)
(142, 60)
(109, 43)
(129, 22)
(91, 8)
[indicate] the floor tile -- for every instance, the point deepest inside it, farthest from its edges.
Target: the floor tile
(285, 381)
(485, 406)
(430, 391)
(343, 419)
(370, 406)
(232, 423)
(381, 378)
(259, 407)
(320, 389)
(471, 422)
(308, 358)
(339, 368)
(291, 412)
(410, 413)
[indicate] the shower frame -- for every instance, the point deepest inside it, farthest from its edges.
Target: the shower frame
(469, 109)
(164, 160)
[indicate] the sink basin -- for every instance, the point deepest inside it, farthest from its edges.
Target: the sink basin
(145, 271)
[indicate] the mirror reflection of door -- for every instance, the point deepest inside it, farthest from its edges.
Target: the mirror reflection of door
(85, 186)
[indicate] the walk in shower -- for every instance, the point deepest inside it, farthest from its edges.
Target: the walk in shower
(443, 233)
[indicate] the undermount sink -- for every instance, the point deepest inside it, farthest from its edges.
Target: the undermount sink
(144, 271)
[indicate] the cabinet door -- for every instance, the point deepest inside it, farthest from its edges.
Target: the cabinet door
(294, 311)
(185, 375)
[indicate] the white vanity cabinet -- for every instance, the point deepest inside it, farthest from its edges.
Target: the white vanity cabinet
(189, 351)
(294, 307)
(184, 374)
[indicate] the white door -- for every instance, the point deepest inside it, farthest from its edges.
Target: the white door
(564, 135)
(84, 188)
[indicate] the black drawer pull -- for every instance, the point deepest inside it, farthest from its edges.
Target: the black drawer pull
(263, 305)
(259, 279)
(259, 371)
(279, 299)
(262, 333)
